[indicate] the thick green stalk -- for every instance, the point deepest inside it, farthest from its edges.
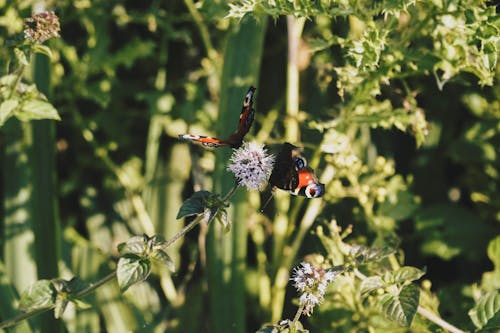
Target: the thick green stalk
(226, 252)
(47, 248)
(282, 220)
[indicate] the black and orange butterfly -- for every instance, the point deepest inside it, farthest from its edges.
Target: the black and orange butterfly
(235, 140)
(291, 173)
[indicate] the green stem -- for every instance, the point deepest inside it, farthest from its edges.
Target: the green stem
(438, 321)
(204, 33)
(297, 317)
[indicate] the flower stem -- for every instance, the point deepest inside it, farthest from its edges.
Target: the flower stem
(438, 321)
(297, 317)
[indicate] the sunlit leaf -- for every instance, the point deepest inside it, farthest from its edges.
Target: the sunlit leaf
(407, 274)
(60, 307)
(43, 49)
(7, 109)
(21, 57)
(136, 245)
(39, 295)
(494, 251)
(401, 308)
(37, 109)
(486, 312)
(194, 205)
(370, 284)
(132, 269)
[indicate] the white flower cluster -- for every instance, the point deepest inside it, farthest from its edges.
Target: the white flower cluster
(251, 165)
(312, 283)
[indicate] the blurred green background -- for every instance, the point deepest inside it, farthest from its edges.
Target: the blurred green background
(396, 104)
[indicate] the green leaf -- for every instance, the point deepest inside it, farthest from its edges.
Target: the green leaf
(21, 57)
(60, 306)
(401, 308)
(494, 251)
(223, 218)
(37, 109)
(407, 274)
(81, 304)
(194, 205)
(7, 109)
(365, 254)
(486, 312)
(370, 284)
(43, 49)
(132, 269)
(136, 245)
(164, 258)
(38, 296)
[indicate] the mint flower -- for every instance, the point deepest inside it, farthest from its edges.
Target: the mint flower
(312, 283)
(251, 165)
(41, 27)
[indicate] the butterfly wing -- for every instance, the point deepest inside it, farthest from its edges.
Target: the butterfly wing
(205, 140)
(291, 173)
(236, 139)
(284, 175)
(246, 120)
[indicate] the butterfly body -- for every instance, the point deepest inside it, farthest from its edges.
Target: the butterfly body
(235, 140)
(291, 174)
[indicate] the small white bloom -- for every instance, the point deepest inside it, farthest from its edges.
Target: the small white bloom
(251, 165)
(312, 282)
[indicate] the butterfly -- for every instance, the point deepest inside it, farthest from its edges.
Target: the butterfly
(291, 173)
(235, 140)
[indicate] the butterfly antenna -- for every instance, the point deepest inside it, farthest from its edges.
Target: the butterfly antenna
(267, 202)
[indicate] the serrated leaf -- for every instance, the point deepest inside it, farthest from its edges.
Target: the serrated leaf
(132, 269)
(43, 49)
(194, 205)
(486, 312)
(136, 245)
(164, 259)
(370, 284)
(401, 308)
(38, 296)
(21, 57)
(37, 109)
(407, 274)
(7, 109)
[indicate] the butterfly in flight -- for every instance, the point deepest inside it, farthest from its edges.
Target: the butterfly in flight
(291, 173)
(235, 140)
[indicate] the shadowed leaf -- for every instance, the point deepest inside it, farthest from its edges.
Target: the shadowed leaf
(132, 269)
(194, 205)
